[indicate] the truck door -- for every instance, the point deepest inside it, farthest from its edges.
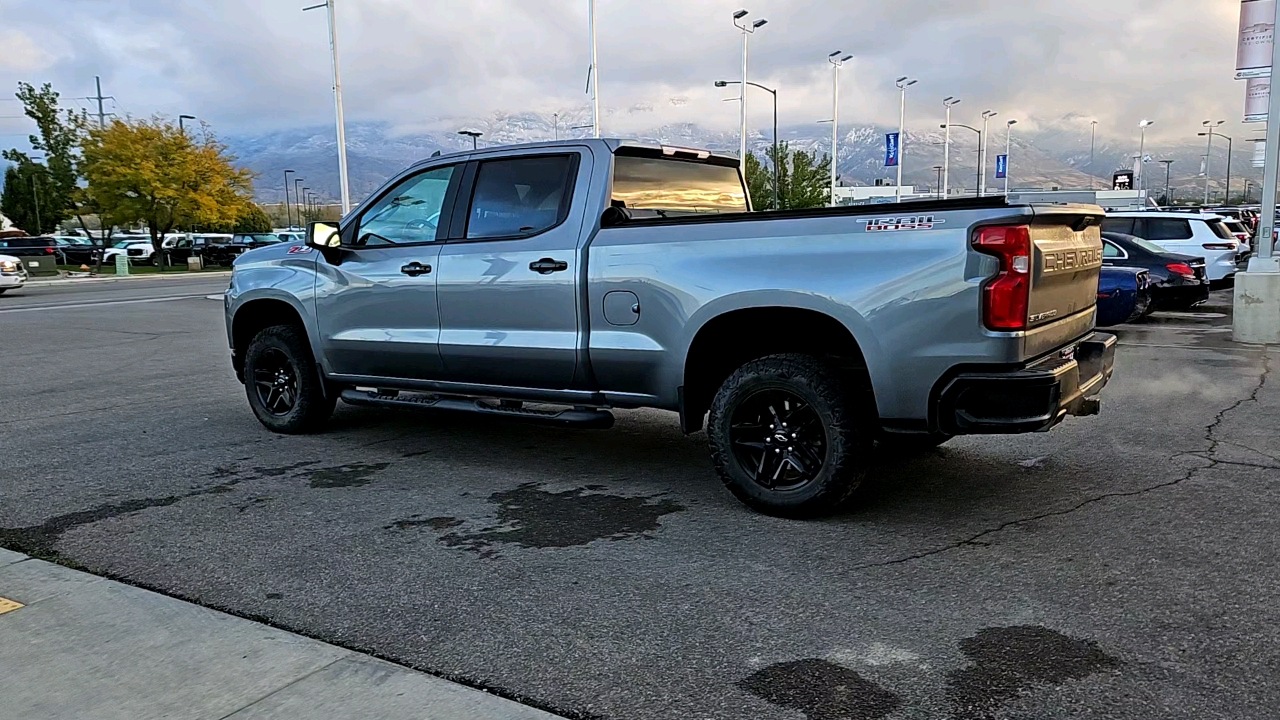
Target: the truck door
(508, 279)
(376, 295)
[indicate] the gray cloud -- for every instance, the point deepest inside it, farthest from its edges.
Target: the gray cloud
(249, 65)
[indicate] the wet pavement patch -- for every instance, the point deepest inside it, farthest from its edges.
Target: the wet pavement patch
(340, 476)
(435, 523)
(38, 540)
(531, 517)
(1007, 661)
(821, 690)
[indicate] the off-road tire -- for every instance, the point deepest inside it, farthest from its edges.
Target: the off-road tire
(312, 406)
(845, 420)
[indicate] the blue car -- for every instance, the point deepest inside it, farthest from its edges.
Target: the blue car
(1124, 295)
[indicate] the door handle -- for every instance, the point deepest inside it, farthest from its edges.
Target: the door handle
(414, 269)
(546, 266)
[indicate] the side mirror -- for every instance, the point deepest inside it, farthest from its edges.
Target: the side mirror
(323, 235)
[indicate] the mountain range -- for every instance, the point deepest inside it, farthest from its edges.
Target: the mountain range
(1054, 154)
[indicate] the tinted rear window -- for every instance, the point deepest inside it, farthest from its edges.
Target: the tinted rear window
(1124, 226)
(1220, 230)
(1167, 229)
(641, 183)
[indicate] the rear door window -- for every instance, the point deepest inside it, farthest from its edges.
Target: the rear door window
(1111, 251)
(519, 197)
(1168, 229)
(1220, 230)
(1124, 226)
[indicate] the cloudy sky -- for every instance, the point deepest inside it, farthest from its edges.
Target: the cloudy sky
(250, 65)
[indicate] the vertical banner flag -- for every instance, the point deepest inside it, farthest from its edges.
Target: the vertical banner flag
(891, 150)
(1002, 166)
(1257, 34)
(1259, 153)
(1257, 99)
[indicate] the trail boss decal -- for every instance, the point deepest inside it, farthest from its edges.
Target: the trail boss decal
(911, 222)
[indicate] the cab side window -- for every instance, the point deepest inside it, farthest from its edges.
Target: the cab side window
(519, 197)
(1168, 229)
(409, 213)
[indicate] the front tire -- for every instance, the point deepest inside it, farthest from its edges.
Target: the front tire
(283, 383)
(789, 437)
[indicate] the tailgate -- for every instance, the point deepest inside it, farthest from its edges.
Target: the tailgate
(1066, 262)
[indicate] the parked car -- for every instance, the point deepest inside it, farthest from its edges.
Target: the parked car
(254, 241)
(12, 274)
(1178, 282)
(1246, 216)
(292, 236)
(1189, 234)
(122, 244)
(31, 247)
(76, 250)
(593, 274)
(1124, 295)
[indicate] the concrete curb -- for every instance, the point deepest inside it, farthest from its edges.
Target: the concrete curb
(53, 282)
(76, 645)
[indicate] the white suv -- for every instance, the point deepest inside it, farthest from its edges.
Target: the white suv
(12, 274)
(1200, 235)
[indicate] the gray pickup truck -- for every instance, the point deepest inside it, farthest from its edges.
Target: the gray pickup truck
(553, 282)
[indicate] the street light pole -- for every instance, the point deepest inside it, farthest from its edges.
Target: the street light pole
(1008, 137)
(1142, 155)
(1093, 136)
(306, 203)
(903, 83)
(1210, 126)
(1226, 198)
(747, 31)
(774, 93)
(595, 71)
(288, 213)
(337, 104)
(836, 63)
(181, 127)
(297, 196)
(938, 169)
(473, 135)
(1168, 201)
(982, 155)
(947, 103)
(979, 134)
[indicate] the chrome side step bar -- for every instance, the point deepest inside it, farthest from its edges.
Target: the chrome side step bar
(578, 418)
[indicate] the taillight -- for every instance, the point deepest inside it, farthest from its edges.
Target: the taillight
(48, 251)
(1005, 296)
(1219, 246)
(1182, 269)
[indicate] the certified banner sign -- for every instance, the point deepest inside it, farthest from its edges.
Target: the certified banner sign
(1257, 99)
(1257, 34)
(891, 150)
(1002, 166)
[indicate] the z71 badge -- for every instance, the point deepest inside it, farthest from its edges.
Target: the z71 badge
(299, 249)
(911, 222)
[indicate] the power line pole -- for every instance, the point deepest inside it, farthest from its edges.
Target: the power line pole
(102, 114)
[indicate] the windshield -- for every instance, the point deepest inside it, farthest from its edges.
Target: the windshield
(668, 185)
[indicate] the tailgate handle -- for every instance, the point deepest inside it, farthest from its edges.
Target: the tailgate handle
(1086, 221)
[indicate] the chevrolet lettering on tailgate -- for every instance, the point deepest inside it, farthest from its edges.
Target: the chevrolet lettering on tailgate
(1064, 260)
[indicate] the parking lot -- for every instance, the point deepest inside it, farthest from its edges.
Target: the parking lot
(1125, 565)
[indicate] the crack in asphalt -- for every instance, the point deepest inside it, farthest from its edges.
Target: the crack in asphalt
(1212, 441)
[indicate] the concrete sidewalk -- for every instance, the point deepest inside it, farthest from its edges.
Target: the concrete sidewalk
(79, 646)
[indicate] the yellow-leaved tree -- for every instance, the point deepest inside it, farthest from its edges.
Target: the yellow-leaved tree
(149, 171)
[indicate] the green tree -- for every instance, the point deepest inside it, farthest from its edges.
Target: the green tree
(24, 199)
(804, 181)
(149, 171)
(58, 135)
(253, 219)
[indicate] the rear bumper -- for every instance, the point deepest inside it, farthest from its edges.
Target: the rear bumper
(1180, 295)
(1033, 399)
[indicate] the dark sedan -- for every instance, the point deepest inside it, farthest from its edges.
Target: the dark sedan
(1178, 282)
(30, 247)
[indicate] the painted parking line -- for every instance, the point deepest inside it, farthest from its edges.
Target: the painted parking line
(75, 306)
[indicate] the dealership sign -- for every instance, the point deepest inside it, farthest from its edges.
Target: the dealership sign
(891, 150)
(1257, 99)
(1257, 35)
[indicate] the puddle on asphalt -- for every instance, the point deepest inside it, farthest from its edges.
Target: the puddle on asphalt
(1007, 661)
(821, 690)
(340, 476)
(531, 517)
(435, 523)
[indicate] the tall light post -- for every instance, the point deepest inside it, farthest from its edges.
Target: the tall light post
(1008, 137)
(774, 93)
(182, 128)
(297, 197)
(1168, 201)
(979, 134)
(288, 213)
(1226, 198)
(948, 103)
(475, 136)
(1142, 154)
(595, 71)
(747, 31)
(903, 83)
(982, 153)
(337, 104)
(1093, 136)
(306, 202)
(1210, 127)
(555, 124)
(938, 169)
(836, 63)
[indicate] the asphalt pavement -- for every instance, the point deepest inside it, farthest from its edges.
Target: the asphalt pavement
(1124, 565)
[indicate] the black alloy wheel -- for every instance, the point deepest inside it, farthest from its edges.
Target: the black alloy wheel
(778, 440)
(276, 382)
